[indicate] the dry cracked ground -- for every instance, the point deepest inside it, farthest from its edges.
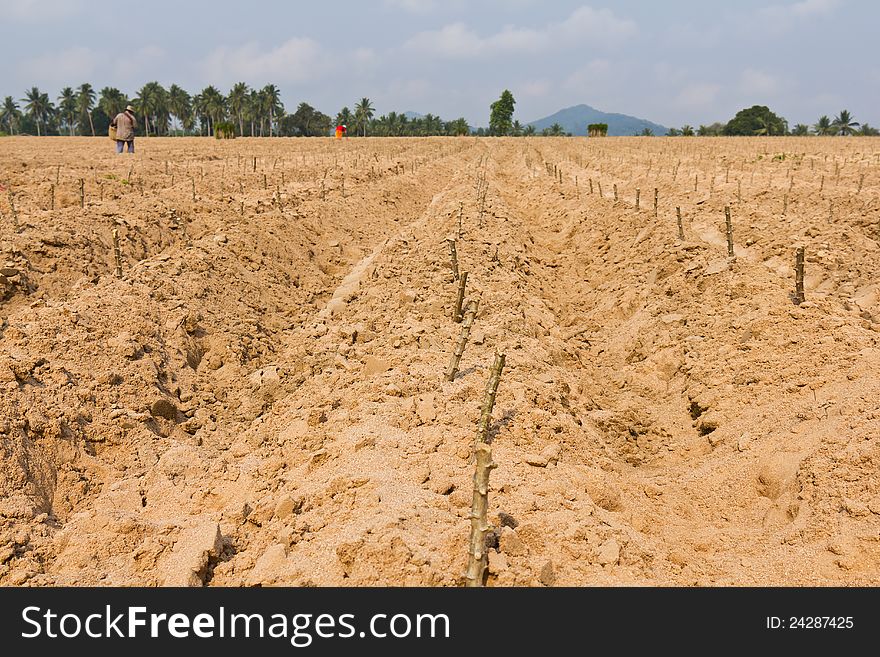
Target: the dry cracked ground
(260, 398)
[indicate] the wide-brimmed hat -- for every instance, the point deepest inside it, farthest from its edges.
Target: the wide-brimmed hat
(129, 108)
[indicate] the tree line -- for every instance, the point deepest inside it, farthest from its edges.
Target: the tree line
(246, 111)
(758, 120)
(174, 111)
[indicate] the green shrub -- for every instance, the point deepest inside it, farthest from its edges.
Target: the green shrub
(224, 130)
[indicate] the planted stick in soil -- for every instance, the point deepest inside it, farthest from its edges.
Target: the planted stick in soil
(51, 197)
(784, 204)
(453, 258)
(600, 189)
(615, 192)
(466, 325)
(729, 231)
(489, 400)
(460, 210)
(656, 201)
(194, 188)
(478, 554)
(680, 227)
(638, 194)
(591, 185)
(459, 299)
(799, 276)
(117, 253)
(82, 193)
(13, 210)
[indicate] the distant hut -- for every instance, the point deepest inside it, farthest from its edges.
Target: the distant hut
(597, 130)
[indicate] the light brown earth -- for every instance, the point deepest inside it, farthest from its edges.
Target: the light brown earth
(260, 399)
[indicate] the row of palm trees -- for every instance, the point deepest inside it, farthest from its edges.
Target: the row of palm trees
(160, 110)
(843, 125)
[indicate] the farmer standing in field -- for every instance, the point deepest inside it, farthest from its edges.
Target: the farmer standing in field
(125, 124)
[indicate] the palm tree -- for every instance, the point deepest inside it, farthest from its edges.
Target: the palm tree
(38, 106)
(869, 131)
(112, 101)
(687, 131)
(237, 99)
(460, 127)
(344, 117)
(272, 103)
(144, 102)
(85, 102)
(252, 110)
(212, 106)
(10, 114)
(67, 107)
(363, 112)
(800, 130)
(843, 124)
(529, 131)
(823, 126)
(180, 105)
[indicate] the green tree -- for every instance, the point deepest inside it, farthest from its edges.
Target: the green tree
(800, 130)
(271, 97)
(646, 132)
(687, 131)
(458, 127)
(67, 107)
(501, 114)
(554, 130)
(237, 100)
(529, 131)
(714, 130)
(38, 107)
(152, 103)
(823, 126)
(363, 112)
(344, 117)
(85, 103)
(755, 120)
(180, 106)
(306, 121)
(10, 114)
(869, 131)
(112, 101)
(212, 107)
(844, 124)
(673, 132)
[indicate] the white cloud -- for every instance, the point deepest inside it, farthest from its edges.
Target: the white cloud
(697, 95)
(535, 88)
(754, 82)
(139, 64)
(586, 77)
(62, 67)
(38, 10)
(412, 6)
(584, 27)
(296, 60)
(778, 14)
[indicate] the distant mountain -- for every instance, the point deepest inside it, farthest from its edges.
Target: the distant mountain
(576, 119)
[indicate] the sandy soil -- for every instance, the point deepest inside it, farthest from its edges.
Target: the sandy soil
(260, 398)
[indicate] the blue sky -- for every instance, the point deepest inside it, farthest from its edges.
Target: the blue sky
(672, 62)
